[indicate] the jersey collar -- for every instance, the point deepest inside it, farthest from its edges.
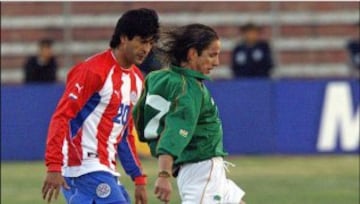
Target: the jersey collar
(189, 72)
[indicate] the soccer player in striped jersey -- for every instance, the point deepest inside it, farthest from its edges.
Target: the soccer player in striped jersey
(92, 122)
(179, 119)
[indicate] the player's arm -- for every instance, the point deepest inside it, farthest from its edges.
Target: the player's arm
(180, 123)
(130, 161)
(163, 186)
(138, 117)
(128, 156)
(80, 86)
(127, 150)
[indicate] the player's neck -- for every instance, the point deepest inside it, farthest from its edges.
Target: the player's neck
(121, 59)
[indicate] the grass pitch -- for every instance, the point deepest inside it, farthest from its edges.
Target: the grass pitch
(265, 179)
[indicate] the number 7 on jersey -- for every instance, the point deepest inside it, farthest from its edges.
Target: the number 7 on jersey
(162, 105)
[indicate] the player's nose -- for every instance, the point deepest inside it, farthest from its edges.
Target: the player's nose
(147, 47)
(216, 62)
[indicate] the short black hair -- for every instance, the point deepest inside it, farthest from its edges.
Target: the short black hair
(249, 26)
(178, 41)
(141, 22)
(46, 42)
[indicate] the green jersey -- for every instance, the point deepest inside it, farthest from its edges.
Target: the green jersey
(176, 115)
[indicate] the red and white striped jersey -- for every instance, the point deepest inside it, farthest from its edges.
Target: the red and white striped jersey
(93, 117)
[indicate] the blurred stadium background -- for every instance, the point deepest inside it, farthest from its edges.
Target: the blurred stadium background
(308, 38)
(294, 137)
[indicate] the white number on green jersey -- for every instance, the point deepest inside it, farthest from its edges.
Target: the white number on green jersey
(162, 105)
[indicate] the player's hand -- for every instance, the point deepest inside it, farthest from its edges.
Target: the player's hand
(163, 189)
(52, 184)
(140, 194)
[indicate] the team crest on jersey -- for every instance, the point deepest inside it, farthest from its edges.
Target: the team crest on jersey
(103, 190)
(183, 132)
(133, 97)
(217, 197)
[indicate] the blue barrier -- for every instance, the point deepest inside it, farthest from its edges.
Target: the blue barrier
(25, 115)
(259, 117)
(246, 112)
(301, 108)
(298, 110)
(289, 116)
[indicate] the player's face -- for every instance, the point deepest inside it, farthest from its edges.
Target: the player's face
(208, 59)
(137, 49)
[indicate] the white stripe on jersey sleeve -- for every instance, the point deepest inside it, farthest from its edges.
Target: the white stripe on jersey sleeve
(65, 148)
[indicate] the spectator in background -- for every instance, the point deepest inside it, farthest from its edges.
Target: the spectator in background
(43, 66)
(252, 56)
(353, 48)
(151, 63)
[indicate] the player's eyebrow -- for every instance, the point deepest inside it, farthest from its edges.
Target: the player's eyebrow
(214, 52)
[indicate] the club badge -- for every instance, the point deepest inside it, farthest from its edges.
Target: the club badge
(103, 190)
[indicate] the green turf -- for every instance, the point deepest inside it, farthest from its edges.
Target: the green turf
(266, 180)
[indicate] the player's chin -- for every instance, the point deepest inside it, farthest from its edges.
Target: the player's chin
(209, 70)
(139, 60)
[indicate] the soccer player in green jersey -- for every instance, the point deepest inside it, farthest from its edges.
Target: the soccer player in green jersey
(179, 120)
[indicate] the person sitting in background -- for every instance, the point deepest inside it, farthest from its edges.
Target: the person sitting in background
(252, 57)
(43, 66)
(353, 49)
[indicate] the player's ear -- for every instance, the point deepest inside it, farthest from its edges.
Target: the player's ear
(192, 54)
(123, 38)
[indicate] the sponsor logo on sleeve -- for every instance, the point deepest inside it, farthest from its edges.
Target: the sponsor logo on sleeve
(78, 87)
(74, 96)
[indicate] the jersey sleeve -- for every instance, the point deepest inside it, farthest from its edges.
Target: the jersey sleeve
(80, 86)
(137, 115)
(180, 122)
(128, 155)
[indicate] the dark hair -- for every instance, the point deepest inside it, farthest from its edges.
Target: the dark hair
(249, 26)
(45, 42)
(141, 22)
(177, 42)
